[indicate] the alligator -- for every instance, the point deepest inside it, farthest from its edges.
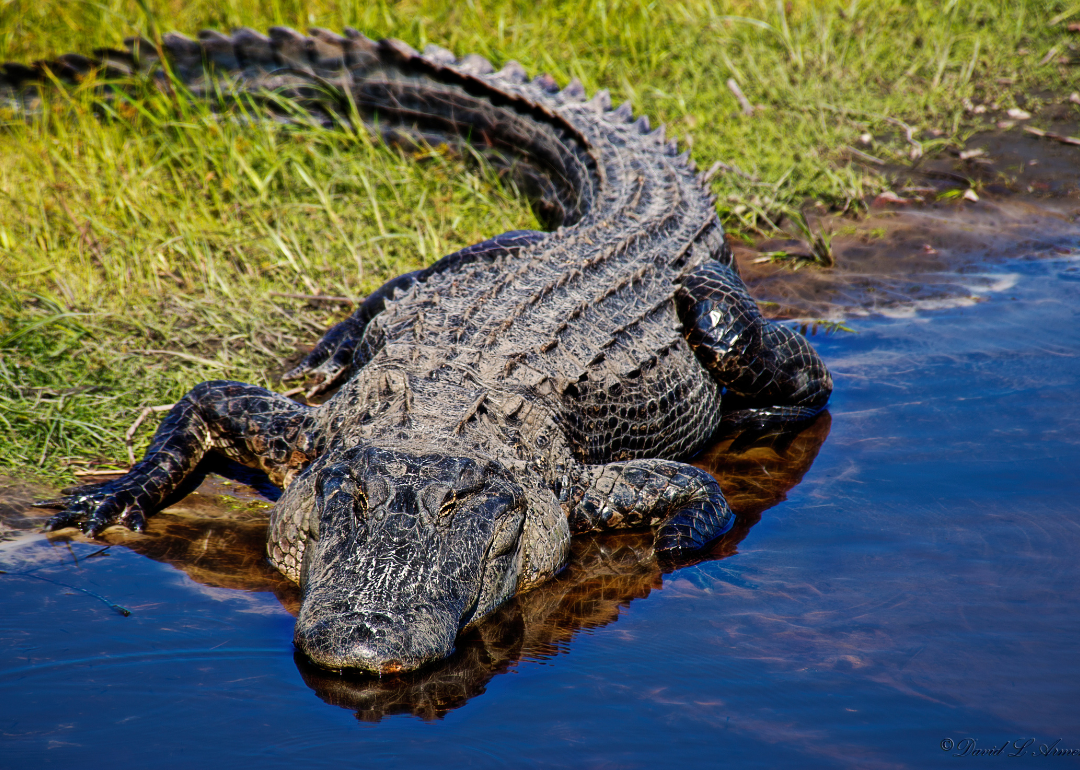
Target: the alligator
(490, 406)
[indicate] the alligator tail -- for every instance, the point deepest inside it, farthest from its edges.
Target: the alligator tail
(544, 136)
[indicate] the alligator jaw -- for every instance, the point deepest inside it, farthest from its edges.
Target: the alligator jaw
(373, 643)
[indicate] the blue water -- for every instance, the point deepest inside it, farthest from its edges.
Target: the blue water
(919, 585)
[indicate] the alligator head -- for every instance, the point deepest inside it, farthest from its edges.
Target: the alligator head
(403, 552)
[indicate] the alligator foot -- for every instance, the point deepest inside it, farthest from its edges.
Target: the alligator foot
(249, 424)
(332, 359)
(770, 373)
(685, 502)
(93, 507)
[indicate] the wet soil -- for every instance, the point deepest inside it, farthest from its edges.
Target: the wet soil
(926, 246)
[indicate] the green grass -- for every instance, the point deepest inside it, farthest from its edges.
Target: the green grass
(146, 229)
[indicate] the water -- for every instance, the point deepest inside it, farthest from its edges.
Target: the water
(909, 579)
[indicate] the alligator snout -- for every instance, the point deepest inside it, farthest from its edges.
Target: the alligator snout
(408, 550)
(375, 642)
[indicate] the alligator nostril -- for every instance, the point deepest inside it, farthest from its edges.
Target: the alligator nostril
(373, 642)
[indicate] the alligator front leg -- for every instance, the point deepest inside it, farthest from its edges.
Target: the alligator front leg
(770, 373)
(686, 502)
(251, 425)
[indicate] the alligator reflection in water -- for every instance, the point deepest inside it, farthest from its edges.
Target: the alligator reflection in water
(219, 541)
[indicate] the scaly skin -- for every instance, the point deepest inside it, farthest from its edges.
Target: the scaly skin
(528, 387)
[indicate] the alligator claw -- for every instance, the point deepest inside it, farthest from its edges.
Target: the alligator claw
(329, 373)
(93, 507)
(331, 358)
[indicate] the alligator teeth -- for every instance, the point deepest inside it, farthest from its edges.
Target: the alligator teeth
(436, 54)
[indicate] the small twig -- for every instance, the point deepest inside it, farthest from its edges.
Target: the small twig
(744, 103)
(1056, 137)
(909, 131)
(129, 437)
(185, 356)
(1049, 56)
(728, 169)
(314, 297)
(916, 146)
(112, 605)
(101, 472)
(949, 176)
(863, 156)
(293, 391)
(1062, 16)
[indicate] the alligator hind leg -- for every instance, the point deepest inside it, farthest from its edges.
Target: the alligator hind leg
(251, 425)
(686, 502)
(770, 373)
(344, 350)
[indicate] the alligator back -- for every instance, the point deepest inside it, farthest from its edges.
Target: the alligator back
(580, 323)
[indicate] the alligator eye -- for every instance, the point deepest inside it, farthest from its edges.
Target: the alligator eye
(360, 504)
(355, 493)
(438, 500)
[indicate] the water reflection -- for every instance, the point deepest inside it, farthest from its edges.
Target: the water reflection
(217, 537)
